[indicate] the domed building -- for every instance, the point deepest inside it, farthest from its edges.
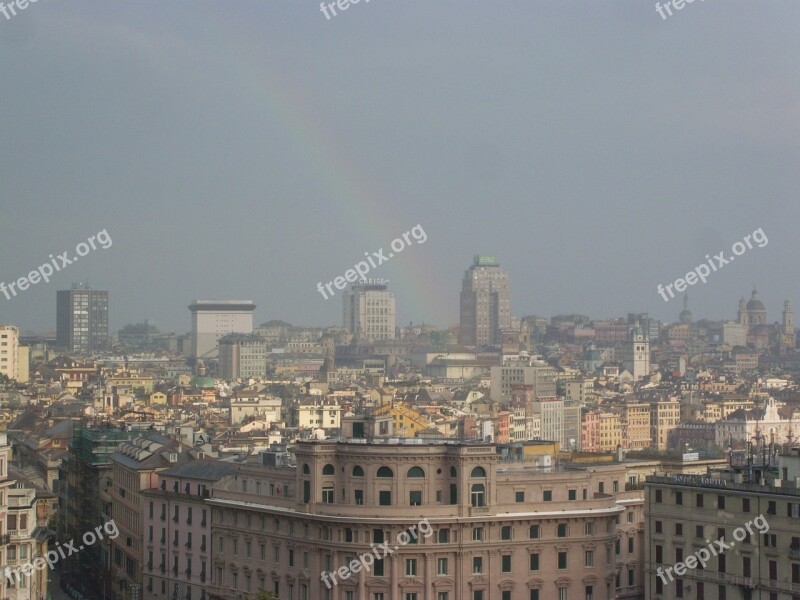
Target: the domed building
(752, 313)
(760, 335)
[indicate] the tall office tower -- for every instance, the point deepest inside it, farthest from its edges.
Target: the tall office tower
(82, 318)
(212, 319)
(369, 311)
(485, 303)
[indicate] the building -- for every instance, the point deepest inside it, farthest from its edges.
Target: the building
(82, 318)
(13, 357)
(636, 426)
(5, 535)
(242, 356)
(369, 311)
(459, 524)
(213, 319)
(263, 408)
(541, 377)
(756, 521)
(84, 501)
(134, 467)
(178, 546)
(665, 415)
(26, 520)
(485, 305)
(637, 353)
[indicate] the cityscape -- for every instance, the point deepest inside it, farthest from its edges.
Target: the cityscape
(399, 301)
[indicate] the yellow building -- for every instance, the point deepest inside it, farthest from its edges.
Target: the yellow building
(610, 431)
(407, 421)
(636, 426)
(665, 415)
(158, 398)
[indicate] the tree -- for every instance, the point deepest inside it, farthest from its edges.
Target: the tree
(263, 595)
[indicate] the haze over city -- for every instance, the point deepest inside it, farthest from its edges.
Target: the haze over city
(253, 151)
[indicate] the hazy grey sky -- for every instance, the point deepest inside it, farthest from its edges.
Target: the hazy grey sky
(251, 149)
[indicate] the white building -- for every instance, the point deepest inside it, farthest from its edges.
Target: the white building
(212, 319)
(369, 311)
(10, 354)
(637, 353)
(263, 408)
(242, 356)
(542, 378)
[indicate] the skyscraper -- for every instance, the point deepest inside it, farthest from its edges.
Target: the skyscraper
(82, 318)
(212, 319)
(485, 303)
(369, 310)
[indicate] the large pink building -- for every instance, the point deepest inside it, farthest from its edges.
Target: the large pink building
(177, 530)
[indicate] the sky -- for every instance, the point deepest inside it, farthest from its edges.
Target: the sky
(253, 149)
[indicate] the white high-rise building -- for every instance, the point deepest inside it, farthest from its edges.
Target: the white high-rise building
(9, 352)
(369, 311)
(212, 319)
(637, 353)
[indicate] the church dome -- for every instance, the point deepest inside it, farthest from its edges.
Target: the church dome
(755, 304)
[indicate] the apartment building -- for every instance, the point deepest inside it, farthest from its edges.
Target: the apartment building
(10, 354)
(665, 415)
(5, 536)
(757, 517)
(135, 467)
(177, 548)
(636, 426)
(26, 527)
(493, 529)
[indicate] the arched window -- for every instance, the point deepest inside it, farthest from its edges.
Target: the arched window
(416, 472)
(385, 472)
(453, 472)
(306, 470)
(358, 471)
(478, 472)
(478, 495)
(328, 470)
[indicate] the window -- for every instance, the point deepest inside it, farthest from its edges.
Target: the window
(562, 561)
(384, 498)
(699, 501)
(478, 472)
(721, 563)
(746, 505)
(721, 502)
(659, 554)
(441, 566)
(534, 594)
(415, 472)
(772, 507)
(444, 536)
(477, 595)
(358, 497)
(572, 494)
(385, 472)
(698, 531)
(377, 568)
(358, 471)
(505, 563)
(547, 496)
(477, 495)
(415, 498)
(348, 534)
(327, 495)
(519, 496)
(411, 567)
(589, 592)
(505, 532)
(589, 558)
(679, 498)
(477, 534)
(659, 496)
(328, 470)
(630, 545)
(534, 562)
(561, 530)
(659, 527)
(533, 532)
(477, 565)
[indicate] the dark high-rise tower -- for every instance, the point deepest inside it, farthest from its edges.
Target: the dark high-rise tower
(485, 303)
(82, 318)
